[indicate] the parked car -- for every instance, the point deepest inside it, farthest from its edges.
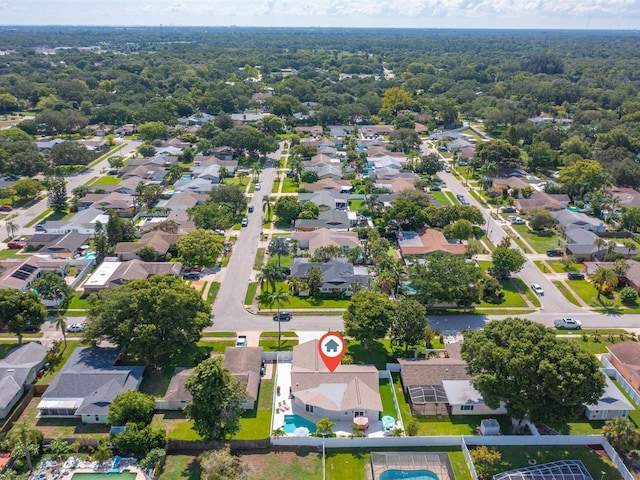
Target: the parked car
(6, 208)
(75, 327)
(250, 209)
(258, 186)
(245, 221)
(537, 288)
(554, 252)
(40, 228)
(241, 341)
(29, 328)
(191, 276)
(282, 316)
(575, 276)
(567, 324)
(193, 268)
(508, 209)
(518, 221)
(219, 231)
(435, 188)
(17, 243)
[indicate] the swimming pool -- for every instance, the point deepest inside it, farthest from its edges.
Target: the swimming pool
(104, 476)
(185, 177)
(291, 422)
(408, 475)
(90, 256)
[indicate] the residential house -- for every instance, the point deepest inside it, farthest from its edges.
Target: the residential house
(464, 399)
(223, 153)
(568, 220)
(420, 128)
(247, 117)
(386, 161)
(324, 237)
(19, 369)
(396, 185)
(127, 129)
(611, 404)
(147, 173)
(373, 131)
(127, 186)
(314, 130)
(183, 200)
(112, 272)
(508, 183)
(245, 363)
(338, 275)
(427, 241)
(121, 203)
(459, 144)
(546, 201)
(87, 384)
(100, 130)
(48, 144)
(628, 197)
(148, 221)
(422, 380)
(625, 358)
(198, 118)
(66, 245)
(388, 173)
(328, 184)
(20, 274)
(177, 396)
(349, 391)
(223, 158)
(340, 131)
(170, 151)
(333, 219)
(631, 276)
(82, 222)
(326, 199)
(94, 145)
(327, 171)
(195, 185)
(159, 240)
(582, 245)
(211, 171)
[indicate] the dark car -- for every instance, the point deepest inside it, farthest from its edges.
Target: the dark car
(6, 208)
(575, 276)
(191, 276)
(282, 316)
(508, 209)
(554, 252)
(250, 209)
(28, 328)
(435, 188)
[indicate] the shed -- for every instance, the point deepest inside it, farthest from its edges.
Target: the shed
(489, 426)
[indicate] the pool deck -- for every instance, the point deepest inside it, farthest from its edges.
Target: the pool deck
(52, 470)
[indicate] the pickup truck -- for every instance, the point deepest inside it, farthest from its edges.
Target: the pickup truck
(241, 341)
(567, 323)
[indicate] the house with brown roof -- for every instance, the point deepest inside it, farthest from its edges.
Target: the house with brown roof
(546, 201)
(422, 380)
(328, 184)
(323, 237)
(121, 203)
(427, 241)
(349, 391)
(630, 278)
(159, 240)
(625, 358)
(628, 196)
(502, 183)
(113, 272)
(397, 184)
(245, 364)
(177, 395)
(314, 130)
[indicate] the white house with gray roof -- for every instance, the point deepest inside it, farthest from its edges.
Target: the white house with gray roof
(87, 384)
(18, 369)
(350, 391)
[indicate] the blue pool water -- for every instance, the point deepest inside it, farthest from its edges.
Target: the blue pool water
(90, 256)
(291, 422)
(185, 177)
(408, 475)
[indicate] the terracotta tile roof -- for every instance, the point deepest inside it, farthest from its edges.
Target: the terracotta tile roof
(627, 352)
(428, 241)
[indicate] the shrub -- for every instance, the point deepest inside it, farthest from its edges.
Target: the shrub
(412, 427)
(628, 296)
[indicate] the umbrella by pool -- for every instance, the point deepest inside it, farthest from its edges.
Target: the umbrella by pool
(301, 432)
(362, 421)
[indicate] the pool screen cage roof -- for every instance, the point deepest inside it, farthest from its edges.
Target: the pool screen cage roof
(423, 394)
(436, 462)
(560, 470)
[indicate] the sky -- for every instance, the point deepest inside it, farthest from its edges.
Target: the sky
(544, 14)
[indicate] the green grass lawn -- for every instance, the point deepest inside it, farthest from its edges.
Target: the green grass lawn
(274, 334)
(106, 180)
(539, 241)
(379, 353)
(219, 334)
(178, 467)
(559, 267)
(512, 298)
(517, 457)
(301, 302)
(442, 198)
(271, 345)
(79, 302)
(213, 292)
(566, 292)
(11, 254)
(533, 298)
(257, 423)
(388, 405)
(285, 261)
(251, 293)
(357, 205)
(596, 342)
(586, 291)
(405, 409)
(6, 347)
(457, 424)
(259, 260)
(51, 373)
(290, 185)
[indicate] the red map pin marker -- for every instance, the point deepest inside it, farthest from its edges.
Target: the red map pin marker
(332, 348)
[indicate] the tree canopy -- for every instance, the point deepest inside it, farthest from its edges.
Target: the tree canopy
(368, 316)
(537, 375)
(150, 319)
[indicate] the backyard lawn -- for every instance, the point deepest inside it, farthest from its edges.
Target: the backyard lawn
(386, 394)
(518, 457)
(539, 241)
(257, 423)
(181, 467)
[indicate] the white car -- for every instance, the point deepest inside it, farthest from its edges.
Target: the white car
(75, 328)
(537, 288)
(567, 323)
(258, 186)
(241, 341)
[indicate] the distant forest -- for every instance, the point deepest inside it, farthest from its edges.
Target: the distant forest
(335, 76)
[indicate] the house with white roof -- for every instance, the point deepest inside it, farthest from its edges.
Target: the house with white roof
(82, 222)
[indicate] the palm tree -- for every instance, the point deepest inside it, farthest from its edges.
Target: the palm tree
(600, 243)
(224, 173)
(604, 277)
(241, 176)
(325, 427)
(629, 245)
(620, 266)
(611, 246)
(61, 324)
(267, 205)
(271, 274)
(12, 228)
(255, 170)
(278, 298)
(489, 170)
(278, 246)
(23, 434)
